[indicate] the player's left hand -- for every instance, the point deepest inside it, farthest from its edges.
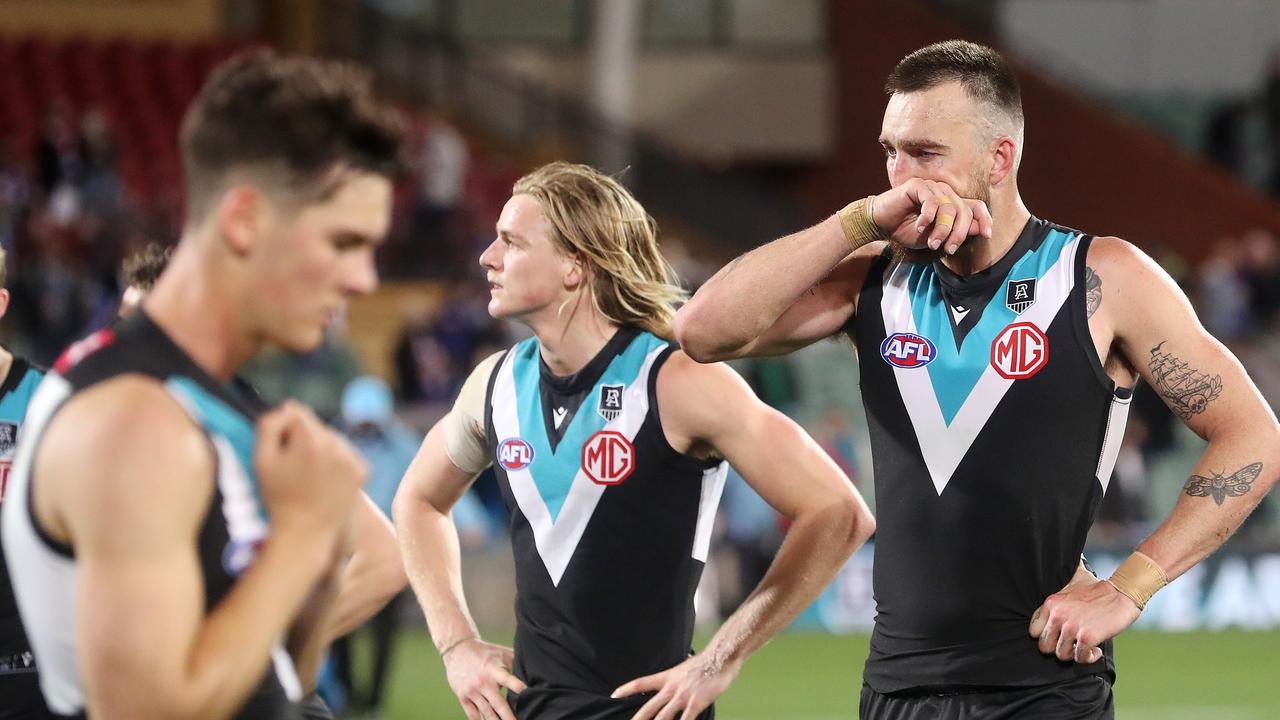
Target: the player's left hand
(1074, 621)
(683, 691)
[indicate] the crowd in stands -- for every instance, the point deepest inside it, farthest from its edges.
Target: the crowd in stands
(1243, 133)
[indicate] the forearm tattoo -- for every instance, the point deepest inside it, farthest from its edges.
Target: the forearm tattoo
(1187, 390)
(1221, 487)
(1092, 289)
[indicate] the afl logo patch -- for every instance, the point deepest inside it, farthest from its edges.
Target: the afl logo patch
(1019, 351)
(908, 350)
(515, 454)
(608, 457)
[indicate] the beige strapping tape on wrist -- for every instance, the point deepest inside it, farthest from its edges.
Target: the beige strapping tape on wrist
(1138, 578)
(857, 223)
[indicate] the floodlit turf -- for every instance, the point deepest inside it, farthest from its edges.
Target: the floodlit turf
(1215, 676)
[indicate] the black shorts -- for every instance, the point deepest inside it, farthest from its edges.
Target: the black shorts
(20, 697)
(540, 703)
(1083, 698)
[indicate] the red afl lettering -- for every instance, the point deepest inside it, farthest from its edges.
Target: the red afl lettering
(608, 457)
(1019, 351)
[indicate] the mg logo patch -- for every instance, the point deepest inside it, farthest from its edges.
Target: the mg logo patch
(1020, 295)
(515, 454)
(1019, 351)
(908, 350)
(608, 458)
(610, 401)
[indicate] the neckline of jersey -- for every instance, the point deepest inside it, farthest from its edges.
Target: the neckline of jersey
(985, 279)
(587, 376)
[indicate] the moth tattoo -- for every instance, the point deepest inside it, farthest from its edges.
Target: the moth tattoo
(1221, 487)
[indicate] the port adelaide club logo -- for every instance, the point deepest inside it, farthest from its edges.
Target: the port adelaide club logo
(1020, 295)
(908, 350)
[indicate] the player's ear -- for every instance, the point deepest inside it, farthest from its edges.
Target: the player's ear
(242, 215)
(1004, 158)
(576, 271)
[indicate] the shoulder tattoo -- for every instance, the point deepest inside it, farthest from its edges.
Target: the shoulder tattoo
(1092, 289)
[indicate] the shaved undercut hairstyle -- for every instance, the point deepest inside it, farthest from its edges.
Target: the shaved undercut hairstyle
(984, 74)
(297, 125)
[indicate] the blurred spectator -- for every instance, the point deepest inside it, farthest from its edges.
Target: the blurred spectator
(1271, 108)
(60, 150)
(368, 420)
(1262, 275)
(437, 350)
(315, 379)
(389, 446)
(753, 533)
(424, 371)
(836, 437)
(439, 241)
(1123, 515)
(15, 193)
(101, 186)
(1225, 136)
(1223, 294)
(774, 382)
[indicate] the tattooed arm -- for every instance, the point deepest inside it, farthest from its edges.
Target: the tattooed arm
(1203, 383)
(1155, 334)
(776, 298)
(804, 287)
(1093, 290)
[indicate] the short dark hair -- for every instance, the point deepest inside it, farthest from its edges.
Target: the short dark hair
(984, 73)
(144, 267)
(303, 116)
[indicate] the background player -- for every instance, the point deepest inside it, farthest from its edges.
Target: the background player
(174, 544)
(610, 448)
(992, 460)
(18, 681)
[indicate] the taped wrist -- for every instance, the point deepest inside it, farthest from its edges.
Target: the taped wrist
(857, 221)
(1138, 578)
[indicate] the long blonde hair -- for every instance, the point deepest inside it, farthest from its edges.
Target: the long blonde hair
(594, 217)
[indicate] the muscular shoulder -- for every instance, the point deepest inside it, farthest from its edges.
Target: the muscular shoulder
(1124, 283)
(695, 400)
(1113, 253)
(120, 449)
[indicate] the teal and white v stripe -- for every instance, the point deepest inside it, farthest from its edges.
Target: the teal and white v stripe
(553, 493)
(232, 436)
(950, 400)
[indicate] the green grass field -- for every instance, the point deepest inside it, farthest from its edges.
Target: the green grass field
(1215, 676)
